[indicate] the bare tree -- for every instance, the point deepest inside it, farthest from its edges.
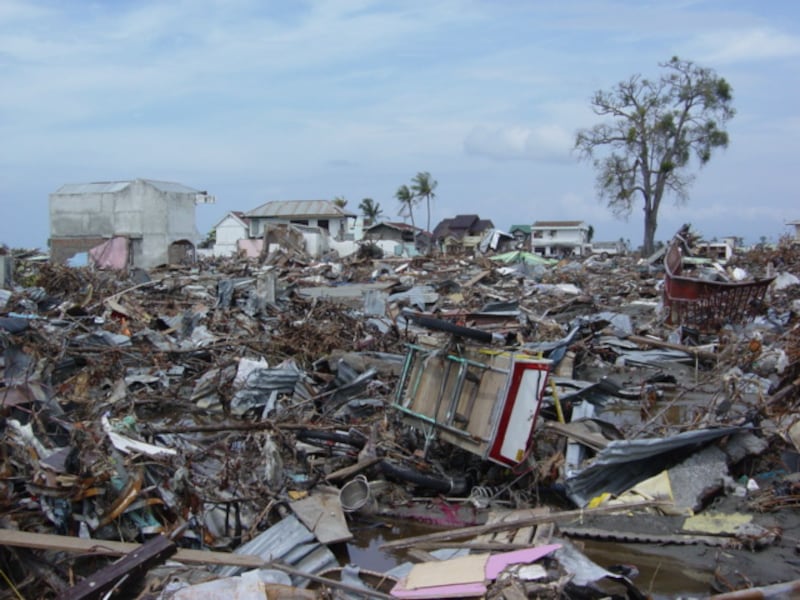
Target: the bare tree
(644, 150)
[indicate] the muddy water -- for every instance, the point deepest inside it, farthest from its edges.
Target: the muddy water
(368, 537)
(660, 576)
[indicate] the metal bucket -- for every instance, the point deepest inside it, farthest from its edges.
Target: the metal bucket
(355, 495)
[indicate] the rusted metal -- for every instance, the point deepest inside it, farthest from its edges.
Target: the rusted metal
(707, 305)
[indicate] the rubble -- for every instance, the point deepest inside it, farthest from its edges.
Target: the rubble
(250, 417)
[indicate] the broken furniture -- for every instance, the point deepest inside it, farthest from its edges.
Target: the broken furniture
(481, 400)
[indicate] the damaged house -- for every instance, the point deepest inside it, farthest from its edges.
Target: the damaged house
(395, 238)
(462, 233)
(554, 239)
(324, 225)
(140, 222)
(233, 227)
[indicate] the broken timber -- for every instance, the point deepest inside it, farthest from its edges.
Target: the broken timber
(137, 562)
(46, 541)
(475, 530)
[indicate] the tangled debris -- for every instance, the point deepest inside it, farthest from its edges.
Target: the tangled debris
(234, 422)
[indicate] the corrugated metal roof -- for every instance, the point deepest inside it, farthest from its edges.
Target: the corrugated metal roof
(99, 187)
(169, 186)
(558, 223)
(108, 187)
(294, 209)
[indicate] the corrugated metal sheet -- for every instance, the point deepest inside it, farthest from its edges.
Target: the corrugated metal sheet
(624, 463)
(109, 187)
(290, 542)
(557, 224)
(169, 186)
(297, 209)
(99, 187)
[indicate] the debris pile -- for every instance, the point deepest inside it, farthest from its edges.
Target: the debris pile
(228, 427)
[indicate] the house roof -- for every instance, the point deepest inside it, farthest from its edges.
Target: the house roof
(109, 187)
(463, 221)
(522, 228)
(298, 209)
(236, 215)
(461, 225)
(556, 224)
(394, 225)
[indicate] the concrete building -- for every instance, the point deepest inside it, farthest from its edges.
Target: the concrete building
(796, 225)
(554, 239)
(157, 218)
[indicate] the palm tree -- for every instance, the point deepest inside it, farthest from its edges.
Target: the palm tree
(340, 201)
(423, 187)
(371, 210)
(407, 200)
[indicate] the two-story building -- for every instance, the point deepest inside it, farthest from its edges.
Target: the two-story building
(557, 239)
(149, 222)
(462, 233)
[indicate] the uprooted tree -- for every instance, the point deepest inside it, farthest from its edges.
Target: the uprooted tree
(645, 148)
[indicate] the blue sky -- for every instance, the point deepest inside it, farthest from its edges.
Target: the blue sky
(283, 100)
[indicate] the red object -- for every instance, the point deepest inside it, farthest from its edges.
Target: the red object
(708, 305)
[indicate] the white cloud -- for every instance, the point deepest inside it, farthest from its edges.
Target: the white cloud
(735, 46)
(517, 142)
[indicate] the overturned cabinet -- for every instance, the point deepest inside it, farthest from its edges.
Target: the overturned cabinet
(481, 400)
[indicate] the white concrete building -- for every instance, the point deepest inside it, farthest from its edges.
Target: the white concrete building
(554, 239)
(796, 225)
(233, 227)
(157, 218)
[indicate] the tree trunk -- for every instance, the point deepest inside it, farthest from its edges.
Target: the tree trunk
(428, 202)
(650, 225)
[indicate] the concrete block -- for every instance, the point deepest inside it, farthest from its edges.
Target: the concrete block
(698, 477)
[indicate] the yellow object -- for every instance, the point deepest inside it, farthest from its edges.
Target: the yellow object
(716, 523)
(559, 412)
(599, 500)
(297, 495)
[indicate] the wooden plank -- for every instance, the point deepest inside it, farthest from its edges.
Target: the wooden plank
(136, 563)
(323, 515)
(518, 536)
(349, 471)
(46, 541)
(476, 279)
(474, 530)
(62, 543)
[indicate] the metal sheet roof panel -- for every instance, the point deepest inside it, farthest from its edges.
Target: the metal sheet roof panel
(293, 209)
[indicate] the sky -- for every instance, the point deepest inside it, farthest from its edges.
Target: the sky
(255, 101)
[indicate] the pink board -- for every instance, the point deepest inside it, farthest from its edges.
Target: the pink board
(494, 566)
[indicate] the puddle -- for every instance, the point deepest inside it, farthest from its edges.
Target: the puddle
(368, 536)
(660, 575)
